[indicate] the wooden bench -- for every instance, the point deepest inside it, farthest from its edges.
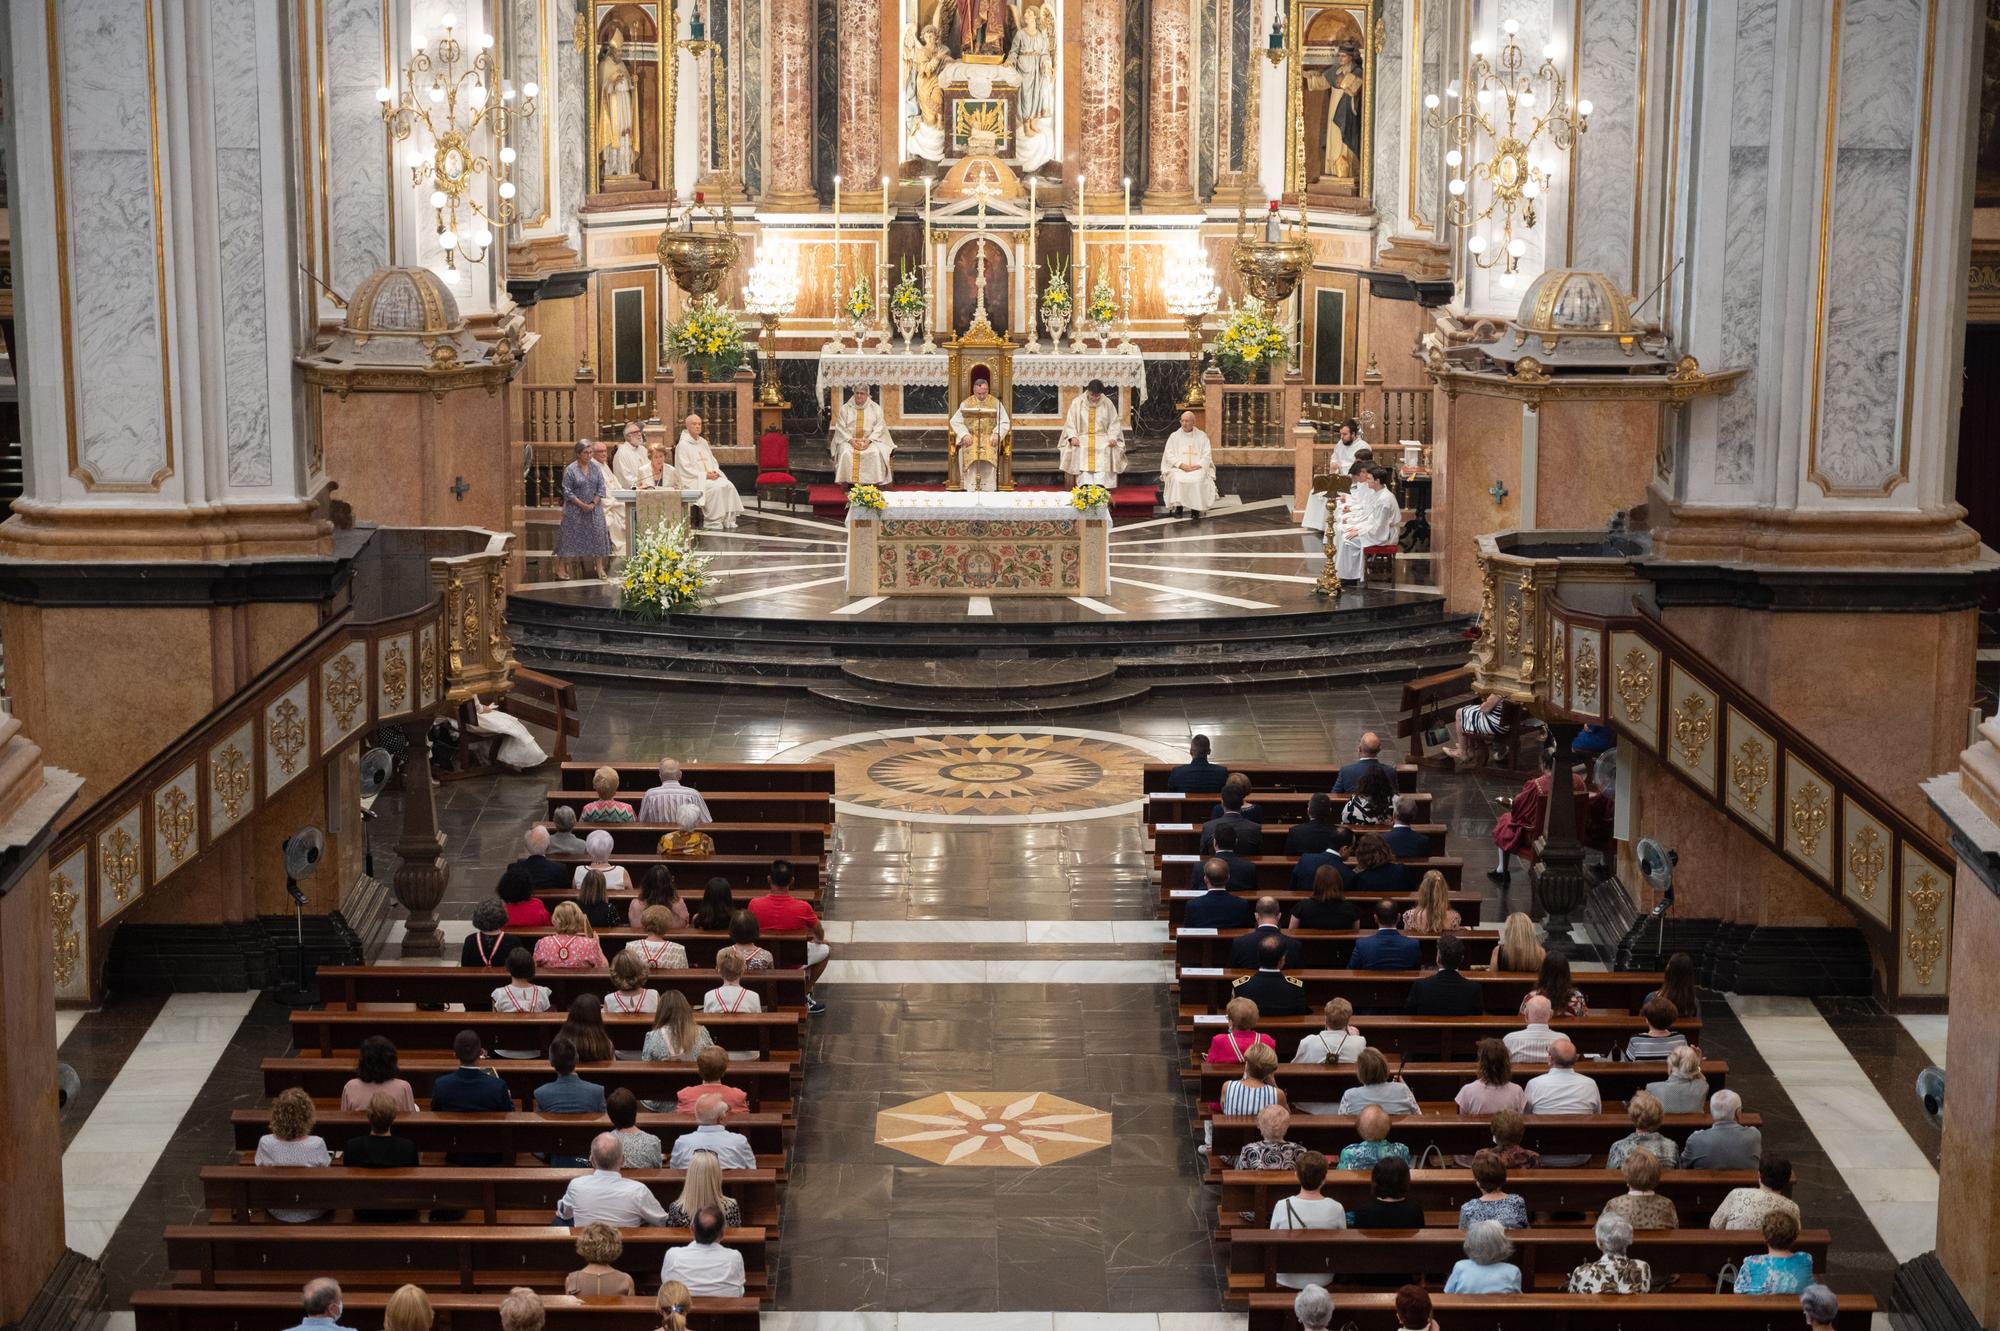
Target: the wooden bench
(767, 1085)
(1274, 875)
(781, 804)
(772, 840)
(493, 1196)
(1279, 807)
(788, 948)
(1545, 1256)
(1323, 1083)
(1437, 1039)
(1317, 947)
(1276, 776)
(1548, 1312)
(748, 877)
(767, 1033)
(1277, 884)
(1249, 1195)
(515, 1135)
(352, 986)
(1453, 1134)
(1185, 838)
(264, 1310)
(1208, 988)
(706, 777)
(1430, 702)
(545, 701)
(463, 1257)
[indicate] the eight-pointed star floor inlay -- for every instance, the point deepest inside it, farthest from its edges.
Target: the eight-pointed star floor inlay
(1007, 1129)
(986, 773)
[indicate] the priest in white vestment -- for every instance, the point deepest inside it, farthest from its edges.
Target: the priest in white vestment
(614, 509)
(1372, 516)
(695, 461)
(629, 462)
(861, 442)
(979, 464)
(1092, 450)
(1187, 469)
(1346, 448)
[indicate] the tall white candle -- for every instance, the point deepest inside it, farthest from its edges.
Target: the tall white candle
(1034, 278)
(1079, 293)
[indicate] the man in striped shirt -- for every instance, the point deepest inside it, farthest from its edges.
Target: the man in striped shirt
(664, 802)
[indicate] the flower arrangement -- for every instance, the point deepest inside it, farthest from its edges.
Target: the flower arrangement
(868, 497)
(708, 336)
(664, 574)
(906, 297)
(1055, 292)
(1103, 303)
(1087, 497)
(1251, 339)
(860, 300)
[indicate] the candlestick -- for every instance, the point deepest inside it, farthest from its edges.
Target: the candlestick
(1079, 292)
(1125, 275)
(930, 273)
(1034, 310)
(882, 282)
(839, 270)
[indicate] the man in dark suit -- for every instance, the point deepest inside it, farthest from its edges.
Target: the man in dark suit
(1316, 833)
(1388, 948)
(1215, 908)
(1197, 776)
(1405, 842)
(1446, 992)
(1308, 865)
(470, 1089)
(1368, 754)
(1242, 873)
(1243, 953)
(1233, 812)
(543, 872)
(1275, 993)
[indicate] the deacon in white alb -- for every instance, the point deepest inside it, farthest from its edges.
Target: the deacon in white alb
(1093, 441)
(695, 461)
(981, 472)
(1346, 448)
(1187, 469)
(861, 442)
(1372, 517)
(614, 509)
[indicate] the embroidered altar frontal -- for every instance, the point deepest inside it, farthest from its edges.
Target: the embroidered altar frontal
(978, 545)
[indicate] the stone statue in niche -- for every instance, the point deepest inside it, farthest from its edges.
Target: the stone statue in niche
(617, 110)
(623, 110)
(950, 55)
(925, 60)
(1340, 158)
(1031, 57)
(1334, 84)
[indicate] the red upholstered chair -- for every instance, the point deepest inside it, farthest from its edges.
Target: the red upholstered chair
(1379, 562)
(774, 457)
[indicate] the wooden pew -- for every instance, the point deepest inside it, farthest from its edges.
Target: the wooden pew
(1318, 947)
(1547, 1312)
(768, 1033)
(778, 804)
(1248, 1195)
(263, 1310)
(1429, 703)
(705, 777)
(748, 875)
(1437, 1039)
(1279, 875)
(1308, 777)
(355, 985)
(788, 948)
(1545, 1256)
(1279, 807)
(1451, 1133)
(493, 1196)
(518, 1134)
(548, 702)
(1274, 875)
(1185, 838)
(1322, 1083)
(772, 840)
(768, 1086)
(464, 1257)
(1208, 988)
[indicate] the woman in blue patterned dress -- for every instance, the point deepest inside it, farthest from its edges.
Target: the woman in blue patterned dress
(1777, 1270)
(583, 534)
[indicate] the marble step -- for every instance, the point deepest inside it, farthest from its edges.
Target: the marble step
(967, 679)
(1023, 700)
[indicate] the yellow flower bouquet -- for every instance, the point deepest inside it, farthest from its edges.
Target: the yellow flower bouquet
(1251, 339)
(708, 337)
(665, 574)
(1084, 498)
(868, 497)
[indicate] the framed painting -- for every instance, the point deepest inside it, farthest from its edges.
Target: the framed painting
(1330, 104)
(631, 81)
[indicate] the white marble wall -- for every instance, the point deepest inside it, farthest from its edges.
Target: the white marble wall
(1489, 291)
(1604, 179)
(355, 234)
(1389, 82)
(1742, 428)
(240, 210)
(1425, 194)
(570, 94)
(527, 61)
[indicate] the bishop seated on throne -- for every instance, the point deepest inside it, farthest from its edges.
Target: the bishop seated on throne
(982, 453)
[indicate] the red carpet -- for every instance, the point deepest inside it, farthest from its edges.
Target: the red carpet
(1127, 501)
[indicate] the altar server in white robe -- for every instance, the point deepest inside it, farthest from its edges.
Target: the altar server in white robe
(1187, 469)
(1346, 448)
(695, 461)
(614, 508)
(861, 442)
(1371, 517)
(1092, 451)
(982, 474)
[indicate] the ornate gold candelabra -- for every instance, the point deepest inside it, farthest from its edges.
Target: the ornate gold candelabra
(1191, 294)
(1329, 574)
(770, 294)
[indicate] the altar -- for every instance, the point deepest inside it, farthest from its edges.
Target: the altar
(974, 544)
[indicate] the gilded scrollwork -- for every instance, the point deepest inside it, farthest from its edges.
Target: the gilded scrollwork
(496, 601)
(343, 692)
(118, 863)
(1559, 662)
(1694, 725)
(230, 776)
(1926, 945)
(395, 678)
(288, 735)
(1586, 675)
(1750, 771)
(67, 948)
(1866, 860)
(1635, 682)
(1530, 626)
(175, 814)
(1809, 816)
(427, 664)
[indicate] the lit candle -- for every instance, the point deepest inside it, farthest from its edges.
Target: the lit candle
(1034, 337)
(882, 283)
(930, 270)
(839, 296)
(1079, 297)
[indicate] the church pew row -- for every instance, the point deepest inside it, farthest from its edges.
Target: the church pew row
(262, 1310)
(1376, 1311)
(1308, 777)
(1248, 1195)
(1277, 806)
(767, 1085)
(512, 1136)
(1545, 1256)
(1433, 1039)
(1322, 1083)
(748, 876)
(767, 1033)
(1324, 948)
(353, 985)
(1451, 1133)
(1174, 900)
(492, 1196)
(1274, 875)
(772, 840)
(706, 777)
(1185, 838)
(435, 1257)
(787, 948)
(785, 805)
(1208, 988)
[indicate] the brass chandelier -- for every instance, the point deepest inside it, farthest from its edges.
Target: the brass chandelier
(1516, 116)
(453, 99)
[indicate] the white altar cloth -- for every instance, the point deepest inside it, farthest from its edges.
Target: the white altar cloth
(1124, 369)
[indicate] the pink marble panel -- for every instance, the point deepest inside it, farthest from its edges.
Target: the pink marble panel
(790, 150)
(861, 92)
(1170, 142)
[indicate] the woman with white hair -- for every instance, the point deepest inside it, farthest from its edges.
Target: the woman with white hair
(1685, 1091)
(1314, 1308)
(1817, 1302)
(1613, 1272)
(598, 846)
(687, 839)
(1485, 1269)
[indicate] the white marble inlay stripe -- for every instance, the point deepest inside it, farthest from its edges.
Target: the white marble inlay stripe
(1080, 932)
(1264, 534)
(1149, 522)
(66, 1020)
(779, 591)
(708, 534)
(772, 568)
(1241, 603)
(113, 1154)
(1889, 1176)
(1928, 1030)
(831, 528)
(560, 583)
(1001, 1321)
(856, 607)
(998, 972)
(1217, 554)
(1089, 603)
(979, 605)
(1250, 574)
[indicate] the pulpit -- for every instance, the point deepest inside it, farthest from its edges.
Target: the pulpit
(981, 353)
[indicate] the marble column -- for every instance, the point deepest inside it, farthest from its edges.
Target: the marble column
(861, 93)
(1169, 128)
(1102, 160)
(789, 180)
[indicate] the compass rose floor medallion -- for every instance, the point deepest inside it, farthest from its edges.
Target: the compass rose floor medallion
(1008, 774)
(993, 1129)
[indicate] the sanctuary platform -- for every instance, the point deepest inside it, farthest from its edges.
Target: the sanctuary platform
(972, 544)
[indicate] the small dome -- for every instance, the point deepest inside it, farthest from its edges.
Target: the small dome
(1568, 302)
(403, 300)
